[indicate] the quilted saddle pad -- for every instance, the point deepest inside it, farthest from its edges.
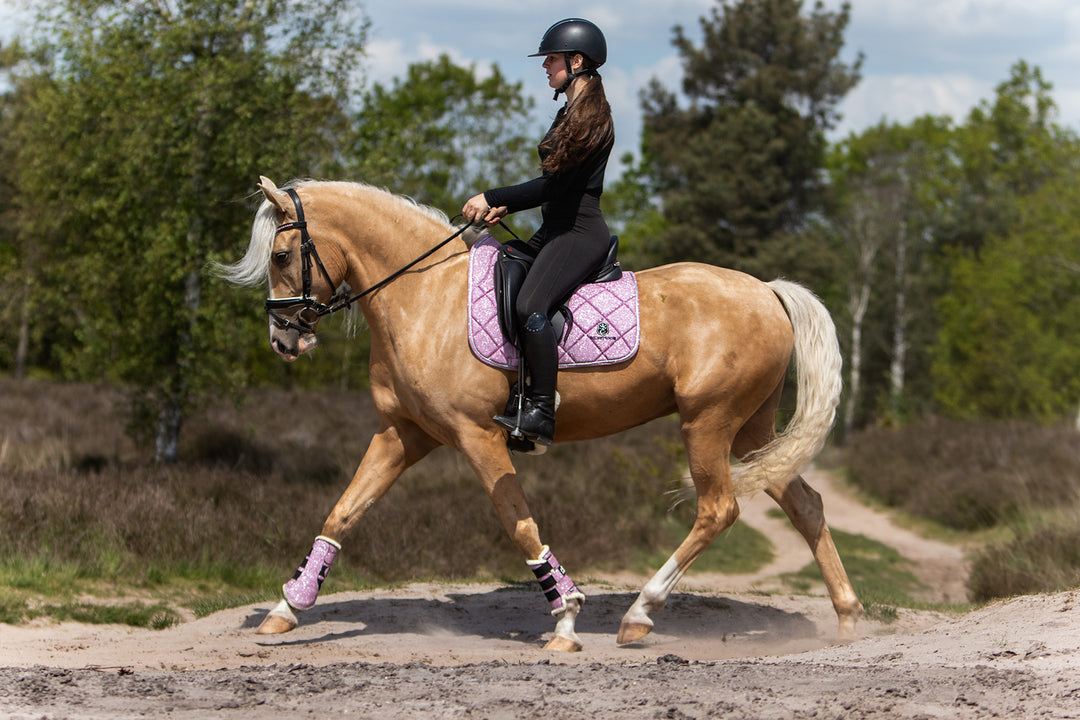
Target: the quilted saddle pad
(606, 328)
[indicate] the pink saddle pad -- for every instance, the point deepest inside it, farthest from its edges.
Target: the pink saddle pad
(606, 327)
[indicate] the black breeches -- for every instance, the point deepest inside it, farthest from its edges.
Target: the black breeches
(563, 263)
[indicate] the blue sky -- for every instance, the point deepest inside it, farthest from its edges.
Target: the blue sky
(921, 56)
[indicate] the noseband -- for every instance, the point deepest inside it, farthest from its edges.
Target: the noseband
(309, 309)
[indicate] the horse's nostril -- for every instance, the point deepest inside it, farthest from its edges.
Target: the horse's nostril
(286, 350)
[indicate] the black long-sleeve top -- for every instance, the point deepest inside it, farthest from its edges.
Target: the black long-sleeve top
(558, 194)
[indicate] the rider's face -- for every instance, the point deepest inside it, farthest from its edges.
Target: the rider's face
(555, 66)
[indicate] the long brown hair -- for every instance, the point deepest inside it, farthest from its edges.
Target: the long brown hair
(584, 125)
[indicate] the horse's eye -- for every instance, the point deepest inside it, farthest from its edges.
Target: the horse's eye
(281, 259)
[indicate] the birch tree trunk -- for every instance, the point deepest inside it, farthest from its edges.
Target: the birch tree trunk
(899, 349)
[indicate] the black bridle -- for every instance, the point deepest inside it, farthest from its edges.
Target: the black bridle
(308, 308)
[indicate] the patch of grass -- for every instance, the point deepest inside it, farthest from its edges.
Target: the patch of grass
(39, 573)
(881, 612)
(157, 617)
(739, 550)
(13, 610)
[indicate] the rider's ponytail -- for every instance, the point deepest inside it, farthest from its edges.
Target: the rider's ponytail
(583, 126)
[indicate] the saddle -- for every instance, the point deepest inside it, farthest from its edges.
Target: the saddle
(599, 326)
(512, 265)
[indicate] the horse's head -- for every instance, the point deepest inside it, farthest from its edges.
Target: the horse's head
(301, 289)
(308, 260)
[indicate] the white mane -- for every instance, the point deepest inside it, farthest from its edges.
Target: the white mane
(253, 269)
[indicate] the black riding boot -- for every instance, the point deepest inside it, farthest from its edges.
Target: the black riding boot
(538, 408)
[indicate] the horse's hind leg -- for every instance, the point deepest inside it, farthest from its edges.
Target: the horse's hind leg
(804, 508)
(708, 455)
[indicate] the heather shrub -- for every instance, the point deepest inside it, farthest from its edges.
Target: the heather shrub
(256, 482)
(1021, 478)
(968, 475)
(1044, 556)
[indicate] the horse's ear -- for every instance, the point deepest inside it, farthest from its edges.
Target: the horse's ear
(275, 196)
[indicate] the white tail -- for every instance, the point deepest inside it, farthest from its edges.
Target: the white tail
(818, 369)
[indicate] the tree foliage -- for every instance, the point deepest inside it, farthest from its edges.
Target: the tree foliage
(886, 184)
(1006, 241)
(1008, 346)
(142, 128)
(1006, 149)
(442, 134)
(971, 295)
(739, 166)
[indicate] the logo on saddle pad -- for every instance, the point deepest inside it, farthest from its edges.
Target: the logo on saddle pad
(605, 331)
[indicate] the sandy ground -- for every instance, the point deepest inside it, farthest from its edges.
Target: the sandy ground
(721, 648)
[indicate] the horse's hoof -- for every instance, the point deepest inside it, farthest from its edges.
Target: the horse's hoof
(846, 633)
(275, 625)
(632, 632)
(563, 644)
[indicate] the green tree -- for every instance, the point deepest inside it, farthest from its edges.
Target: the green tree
(633, 213)
(1006, 149)
(738, 168)
(927, 219)
(14, 286)
(1007, 347)
(441, 134)
(142, 130)
(886, 183)
(1007, 247)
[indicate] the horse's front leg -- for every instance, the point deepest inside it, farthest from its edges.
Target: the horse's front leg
(392, 450)
(488, 457)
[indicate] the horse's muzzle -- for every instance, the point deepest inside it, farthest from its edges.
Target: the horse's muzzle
(290, 343)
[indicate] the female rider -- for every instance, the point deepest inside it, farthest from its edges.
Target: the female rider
(573, 238)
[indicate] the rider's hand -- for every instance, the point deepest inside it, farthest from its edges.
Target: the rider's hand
(477, 209)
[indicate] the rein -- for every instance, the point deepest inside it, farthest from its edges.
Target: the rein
(310, 308)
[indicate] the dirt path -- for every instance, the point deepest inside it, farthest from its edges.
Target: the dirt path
(940, 566)
(720, 649)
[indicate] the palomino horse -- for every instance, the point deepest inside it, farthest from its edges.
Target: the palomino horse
(715, 348)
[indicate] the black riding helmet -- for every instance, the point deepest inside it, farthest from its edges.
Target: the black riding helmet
(570, 36)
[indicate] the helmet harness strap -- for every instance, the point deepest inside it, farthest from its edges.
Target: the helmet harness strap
(572, 75)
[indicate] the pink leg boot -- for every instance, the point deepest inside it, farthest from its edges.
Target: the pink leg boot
(303, 589)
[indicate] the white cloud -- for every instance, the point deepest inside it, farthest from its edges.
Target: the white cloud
(958, 18)
(902, 98)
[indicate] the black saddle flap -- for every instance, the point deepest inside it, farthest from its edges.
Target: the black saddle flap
(515, 259)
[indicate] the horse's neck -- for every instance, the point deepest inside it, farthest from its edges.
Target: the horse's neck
(380, 237)
(390, 243)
